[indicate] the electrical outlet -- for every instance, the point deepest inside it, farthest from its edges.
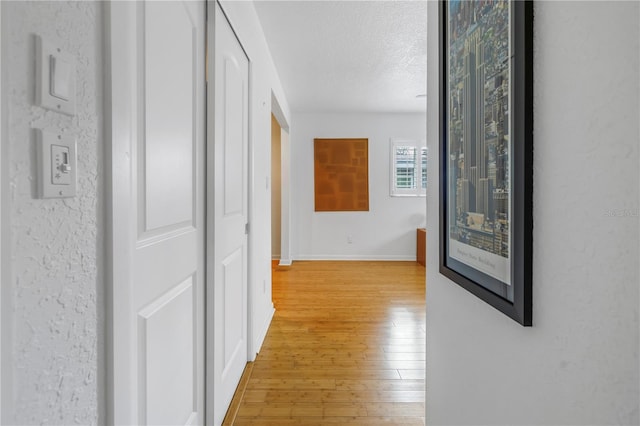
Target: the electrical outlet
(349, 239)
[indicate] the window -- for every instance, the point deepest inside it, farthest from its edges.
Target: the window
(408, 168)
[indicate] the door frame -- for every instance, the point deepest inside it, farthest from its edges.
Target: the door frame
(120, 128)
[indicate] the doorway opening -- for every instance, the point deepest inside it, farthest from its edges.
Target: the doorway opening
(280, 186)
(276, 190)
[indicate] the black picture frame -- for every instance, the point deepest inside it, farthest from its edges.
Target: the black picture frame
(486, 223)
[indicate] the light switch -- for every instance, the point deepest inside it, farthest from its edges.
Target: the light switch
(60, 165)
(56, 165)
(55, 78)
(61, 73)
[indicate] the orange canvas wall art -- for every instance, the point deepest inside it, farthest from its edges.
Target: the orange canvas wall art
(341, 174)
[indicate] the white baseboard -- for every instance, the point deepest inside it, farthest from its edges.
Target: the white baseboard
(285, 262)
(264, 329)
(392, 257)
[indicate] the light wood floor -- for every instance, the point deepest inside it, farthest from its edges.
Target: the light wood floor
(346, 346)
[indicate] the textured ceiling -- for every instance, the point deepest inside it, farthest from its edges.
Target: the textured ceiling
(351, 56)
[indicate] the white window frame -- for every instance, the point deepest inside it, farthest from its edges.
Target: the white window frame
(394, 191)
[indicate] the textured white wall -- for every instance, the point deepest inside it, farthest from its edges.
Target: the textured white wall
(388, 229)
(55, 244)
(578, 364)
(264, 81)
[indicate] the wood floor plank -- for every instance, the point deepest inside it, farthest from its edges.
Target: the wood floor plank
(346, 347)
(343, 396)
(386, 385)
(326, 373)
(336, 362)
(320, 421)
(255, 383)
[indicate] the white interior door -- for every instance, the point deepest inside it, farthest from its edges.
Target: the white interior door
(227, 215)
(157, 206)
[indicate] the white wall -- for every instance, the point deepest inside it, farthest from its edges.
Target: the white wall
(388, 230)
(263, 81)
(276, 182)
(3, 179)
(55, 245)
(285, 199)
(578, 364)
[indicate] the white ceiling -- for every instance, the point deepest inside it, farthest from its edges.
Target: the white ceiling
(355, 56)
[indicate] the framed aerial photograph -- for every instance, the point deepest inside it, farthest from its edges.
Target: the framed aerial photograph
(486, 150)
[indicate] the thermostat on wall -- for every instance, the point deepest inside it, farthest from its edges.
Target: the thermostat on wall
(55, 78)
(57, 169)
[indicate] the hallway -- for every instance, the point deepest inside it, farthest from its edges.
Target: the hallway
(346, 346)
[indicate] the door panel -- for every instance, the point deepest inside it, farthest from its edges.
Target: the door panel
(227, 210)
(169, 92)
(232, 91)
(157, 160)
(233, 321)
(167, 337)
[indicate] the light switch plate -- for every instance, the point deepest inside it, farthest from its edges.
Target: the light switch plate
(61, 73)
(57, 168)
(56, 92)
